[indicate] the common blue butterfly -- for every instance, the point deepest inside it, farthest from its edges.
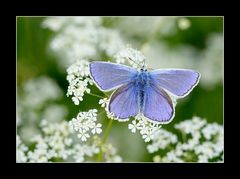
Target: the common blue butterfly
(143, 91)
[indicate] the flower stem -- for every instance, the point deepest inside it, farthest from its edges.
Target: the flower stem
(105, 136)
(95, 95)
(184, 137)
(107, 131)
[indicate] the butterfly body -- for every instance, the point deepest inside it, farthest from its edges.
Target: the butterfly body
(143, 91)
(141, 82)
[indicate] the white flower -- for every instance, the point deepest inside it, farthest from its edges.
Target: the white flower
(147, 129)
(55, 112)
(92, 113)
(157, 158)
(116, 159)
(21, 150)
(97, 128)
(78, 78)
(103, 102)
(76, 100)
(147, 136)
(81, 37)
(133, 126)
(160, 140)
(110, 115)
(203, 142)
(134, 57)
(83, 135)
(211, 61)
(202, 159)
(51, 153)
(110, 153)
(38, 91)
(85, 124)
(191, 126)
(171, 156)
(210, 130)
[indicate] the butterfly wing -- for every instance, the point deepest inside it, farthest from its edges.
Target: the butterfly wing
(157, 105)
(177, 81)
(109, 75)
(124, 102)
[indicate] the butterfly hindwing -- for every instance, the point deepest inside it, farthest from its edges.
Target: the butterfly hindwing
(109, 75)
(124, 102)
(157, 105)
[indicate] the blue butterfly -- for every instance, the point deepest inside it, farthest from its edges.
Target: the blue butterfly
(143, 91)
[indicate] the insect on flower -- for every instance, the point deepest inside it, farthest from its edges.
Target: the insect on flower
(143, 91)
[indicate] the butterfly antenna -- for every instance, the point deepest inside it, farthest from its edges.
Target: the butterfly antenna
(144, 64)
(134, 62)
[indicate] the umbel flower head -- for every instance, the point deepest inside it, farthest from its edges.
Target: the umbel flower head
(78, 79)
(201, 142)
(85, 124)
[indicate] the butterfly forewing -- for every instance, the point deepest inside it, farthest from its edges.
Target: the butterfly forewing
(177, 81)
(109, 75)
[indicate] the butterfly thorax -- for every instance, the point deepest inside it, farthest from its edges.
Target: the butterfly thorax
(142, 79)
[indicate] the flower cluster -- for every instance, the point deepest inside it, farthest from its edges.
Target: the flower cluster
(83, 151)
(161, 140)
(82, 37)
(58, 23)
(39, 90)
(55, 112)
(129, 55)
(37, 98)
(201, 142)
(85, 124)
(210, 62)
(110, 153)
(78, 79)
(147, 129)
(53, 144)
(21, 150)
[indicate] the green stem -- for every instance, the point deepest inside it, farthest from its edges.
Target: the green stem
(105, 136)
(184, 137)
(95, 95)
(107, 131)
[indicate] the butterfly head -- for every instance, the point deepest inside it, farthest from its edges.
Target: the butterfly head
(142, 64)
(143, 69)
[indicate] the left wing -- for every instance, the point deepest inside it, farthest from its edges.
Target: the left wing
(124, 102)
(109, 76)
(177, 81)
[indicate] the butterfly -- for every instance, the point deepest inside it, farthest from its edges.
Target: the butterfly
(142, 91)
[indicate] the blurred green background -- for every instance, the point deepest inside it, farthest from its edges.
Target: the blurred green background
(34, 60)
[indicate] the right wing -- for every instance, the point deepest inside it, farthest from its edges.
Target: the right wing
(158, 105)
